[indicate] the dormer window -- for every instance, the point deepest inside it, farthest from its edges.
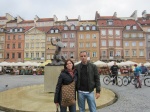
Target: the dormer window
(134, 27)
(65, 28)
(81, 27)
(20, 29)
(1, 30)
(56, 31)
(15, 30)
(11, 30)
(127, 27)
(87, 28)
(93, 27)
(52, 31)
(110, 22)
(72, 27)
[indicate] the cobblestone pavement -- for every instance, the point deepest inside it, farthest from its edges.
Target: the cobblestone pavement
(130, 99)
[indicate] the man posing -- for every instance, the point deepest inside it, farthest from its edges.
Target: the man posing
(114, 71)
(88, 79)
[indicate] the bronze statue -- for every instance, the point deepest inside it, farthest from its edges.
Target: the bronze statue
(58, 58)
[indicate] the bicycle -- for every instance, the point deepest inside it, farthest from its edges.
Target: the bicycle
(147, 82)
(128, 79)
(108, 79)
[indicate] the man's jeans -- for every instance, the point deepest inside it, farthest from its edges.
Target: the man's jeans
(82, 97)
(72, 108)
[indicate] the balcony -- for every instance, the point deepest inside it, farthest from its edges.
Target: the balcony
(111, 57)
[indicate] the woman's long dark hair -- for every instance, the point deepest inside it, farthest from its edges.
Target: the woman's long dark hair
(65, 64)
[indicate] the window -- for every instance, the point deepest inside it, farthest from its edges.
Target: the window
(87, 44)
(48, 38)
(126, 53)
(87, 36)
(32, 55)
(27, 55)
(110, 42)
(8, 37)
(103, 53)
(81, 45)
(93, 27)
(118, 53)
(13, 46)
(133, 43)
(103, 42)
(56, 31)
(65, 35)
(19, 55)
(27, 45)
(20, 29)
(133, 52)
(127, 27)
(13, 55)
(141, 53)
(110, 32)
(110, 22)
(37, 55)
(65, 28)
(126, 35)
(126, 43)
(72, 27)
(94, 36)
(19, 45)
(72, 45)
(7, 55)
(48, 56)
(140, 35)
(81, 28)
(65, 55)
(117, 32)
(43, 54)
(37, 44)
(16, 30)
(1, 46)
(148, 30)
(133, 35)
(32, 45)
(134, 27)
(140, 43)
(72, 35)
(71, 55)
(117, 42)
(14, 37)
(93, 44)
(1, 55)
(94, 54)
(8, 46)
(148, 37)
(2, 38)
(103, 32)
(87, 28)
(43, 44)
(65, 44)
(52, 31)
(19, 37)
(11, 30)
(81, 36)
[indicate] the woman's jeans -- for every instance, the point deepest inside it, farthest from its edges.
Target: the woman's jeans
(72, 108)
(82, 97)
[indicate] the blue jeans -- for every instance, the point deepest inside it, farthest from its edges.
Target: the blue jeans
(82, 97)
(72, 108)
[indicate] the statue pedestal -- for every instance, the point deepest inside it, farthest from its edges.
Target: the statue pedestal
(51, 74)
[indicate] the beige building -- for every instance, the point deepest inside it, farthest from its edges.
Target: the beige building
(133, 42)
(88, 40)
(35, 44)
(2, 43)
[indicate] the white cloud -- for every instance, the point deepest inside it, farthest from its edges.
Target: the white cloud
(27, 9)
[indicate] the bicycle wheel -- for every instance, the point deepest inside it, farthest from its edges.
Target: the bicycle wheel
(106, 80)
(119, 80)
(147, 82)
(133, 81)
(125, 81)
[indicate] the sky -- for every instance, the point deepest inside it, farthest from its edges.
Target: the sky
(28, 9)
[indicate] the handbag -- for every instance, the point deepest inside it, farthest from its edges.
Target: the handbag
(68, 94)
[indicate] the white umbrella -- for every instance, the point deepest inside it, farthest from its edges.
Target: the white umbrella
(100, 63)
(4, 63)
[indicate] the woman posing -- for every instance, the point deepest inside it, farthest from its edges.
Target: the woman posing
(67, 76)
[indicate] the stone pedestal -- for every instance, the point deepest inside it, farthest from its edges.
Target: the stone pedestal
(51, 74)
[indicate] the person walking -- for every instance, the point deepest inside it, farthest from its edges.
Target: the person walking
(67, 76)
(114, 71)
(137, 71)
(88, 79)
